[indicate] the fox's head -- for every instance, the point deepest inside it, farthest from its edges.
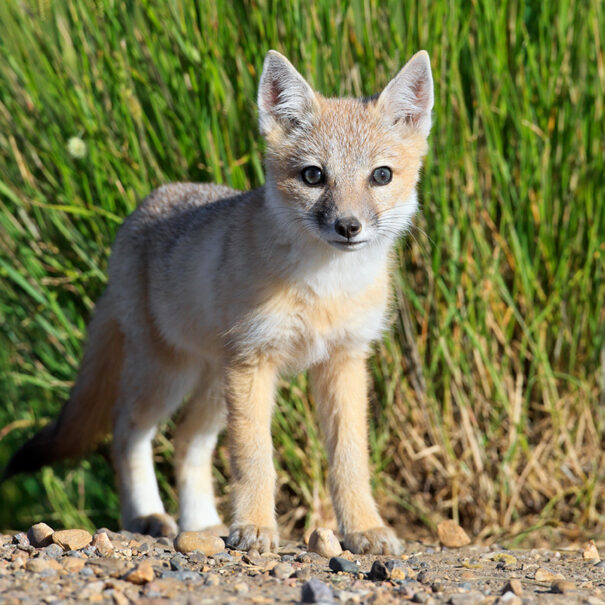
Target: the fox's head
(345, 168)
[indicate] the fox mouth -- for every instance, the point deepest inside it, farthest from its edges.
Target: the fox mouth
(348, 245)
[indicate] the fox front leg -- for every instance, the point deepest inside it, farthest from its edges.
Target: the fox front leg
(340, 388)
(250, 390)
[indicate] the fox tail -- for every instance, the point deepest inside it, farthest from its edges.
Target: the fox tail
(86, 416)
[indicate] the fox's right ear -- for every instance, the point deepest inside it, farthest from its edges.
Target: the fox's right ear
(408, 97)
(284, 97)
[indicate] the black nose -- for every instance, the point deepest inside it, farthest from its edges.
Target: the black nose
(347, 227)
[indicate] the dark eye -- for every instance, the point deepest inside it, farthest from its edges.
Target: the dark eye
(382, 175)
(312, 175)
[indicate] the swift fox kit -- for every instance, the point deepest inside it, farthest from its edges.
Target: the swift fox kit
(213, 293)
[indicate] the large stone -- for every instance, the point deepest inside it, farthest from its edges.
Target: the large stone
(40, 535)
(72, 539)
(206, 543)
(452, 535)
(323, 542)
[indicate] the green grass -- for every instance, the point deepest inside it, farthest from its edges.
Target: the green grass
(489, 392)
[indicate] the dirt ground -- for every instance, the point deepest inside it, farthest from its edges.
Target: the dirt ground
(124, 568)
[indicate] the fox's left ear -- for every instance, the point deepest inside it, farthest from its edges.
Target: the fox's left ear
(284, 97)
(408, 97)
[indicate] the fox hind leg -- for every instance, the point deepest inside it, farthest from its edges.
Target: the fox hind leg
(195, 438)
(149, 393)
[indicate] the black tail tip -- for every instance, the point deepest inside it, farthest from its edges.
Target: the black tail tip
(32, 455)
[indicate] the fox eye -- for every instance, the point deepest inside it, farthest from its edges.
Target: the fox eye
(382, 175)
(312, 175)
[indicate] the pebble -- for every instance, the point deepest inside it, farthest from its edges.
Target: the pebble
(282, 571)
(21, 540)
(212, 579)
(590, 552)
(341, 564)
(509, 598)
(72, 539)
(315, 591)
(38, 565)
(141, 574)
(546, 575)
(52, 550)
(102, 543)
(40, 535)
(241, 588)
(514, 586)
(452, 535)
(206, 543)
(421, 597)
(379, 571)
(323, 542)
(304, 573)
(72, 564)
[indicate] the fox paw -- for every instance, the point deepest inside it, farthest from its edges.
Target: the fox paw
(376, 541)
(248, 537)
(156, 525)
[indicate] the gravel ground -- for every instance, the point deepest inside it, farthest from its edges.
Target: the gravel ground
(121, 568)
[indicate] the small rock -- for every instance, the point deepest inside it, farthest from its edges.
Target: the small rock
(40, 535)
(315, 591)
(421, 597)
(72, 539)
(102, 543)
(399, 571)
(282, 571)
(212, 579)
(514, 586)
(206, 543)
(546, 575)
(379, 571)
(241, 588)
(323, 542)
(562, 586)
(52, 550)
(177, 562)
(39, 565)
(72, 564)
(509, 598)
(141, 574)
(304, 573)
(452, 535)
(341, 564)
(590, 552)
(222, 556)
(21, 540)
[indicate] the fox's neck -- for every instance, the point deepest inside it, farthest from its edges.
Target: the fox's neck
(302, 258)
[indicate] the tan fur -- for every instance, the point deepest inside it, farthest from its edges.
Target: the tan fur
(214, 293)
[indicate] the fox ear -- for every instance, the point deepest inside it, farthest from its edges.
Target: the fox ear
(284, 97)
(408, 97)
